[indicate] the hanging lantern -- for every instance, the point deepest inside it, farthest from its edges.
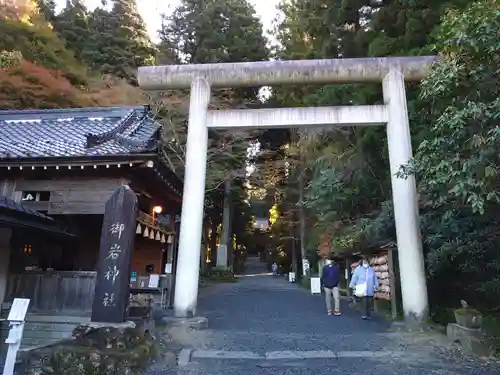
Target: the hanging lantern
(170, 239)
(163, 238)
(152, 235)
(138, 229)
(146, 232)
(158, 237)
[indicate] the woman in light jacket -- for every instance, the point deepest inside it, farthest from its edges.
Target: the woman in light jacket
(364, 283)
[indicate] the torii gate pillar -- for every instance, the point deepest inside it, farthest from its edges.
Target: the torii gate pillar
(392, 72)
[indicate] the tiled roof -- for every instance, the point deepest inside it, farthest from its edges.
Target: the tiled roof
(11, 205)
(13, 214)
(76, 132)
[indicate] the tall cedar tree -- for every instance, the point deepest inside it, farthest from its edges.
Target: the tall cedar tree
(130, 44)
(209, 31)
(204, 31)
(215, 31)
(109, 41)
(72, 25)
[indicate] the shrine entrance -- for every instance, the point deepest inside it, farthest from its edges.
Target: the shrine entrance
(391, 72)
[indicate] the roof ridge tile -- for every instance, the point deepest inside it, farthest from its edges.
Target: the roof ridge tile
(114, 131)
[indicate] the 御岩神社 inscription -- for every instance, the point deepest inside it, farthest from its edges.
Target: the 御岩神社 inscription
(117, 240)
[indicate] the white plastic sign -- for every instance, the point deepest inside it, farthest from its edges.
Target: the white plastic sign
(18, 310)
(168, 268)
(315, 285)
(154, 281)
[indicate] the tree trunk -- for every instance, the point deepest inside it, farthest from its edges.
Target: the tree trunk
(224, 246)
(302, 223)
(213, 241)
(205, 244)
(294, 245)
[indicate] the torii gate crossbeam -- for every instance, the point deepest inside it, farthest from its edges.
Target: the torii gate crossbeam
(391, 72)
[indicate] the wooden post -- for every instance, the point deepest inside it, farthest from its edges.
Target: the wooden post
(112, 288)
(392, 281)
(375, 299)
(348, 274)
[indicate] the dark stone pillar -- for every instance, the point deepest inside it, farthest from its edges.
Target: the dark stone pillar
(113, 270)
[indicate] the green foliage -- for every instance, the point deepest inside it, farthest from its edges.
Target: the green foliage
(212, 31)
(10, 59)
(128, 45)
(72, 25)
(457, 162)
(111, 41)
(207, 32)
(38, 43)
(215, 31)
(374, 229)
(327, 194)
(47, 9)
(305, 282)
(220, 275)
(454, 118)
(104, 351)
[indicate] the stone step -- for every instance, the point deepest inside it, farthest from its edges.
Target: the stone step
(41, 330)
(187, 355)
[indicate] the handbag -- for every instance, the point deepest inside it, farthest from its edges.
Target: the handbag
(361, 289)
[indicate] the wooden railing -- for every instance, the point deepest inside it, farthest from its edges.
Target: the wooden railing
(51, 291)
(147, 219)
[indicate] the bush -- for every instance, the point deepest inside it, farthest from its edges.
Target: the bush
(29, 85)
(305, 282)
(220, 275)
(103, 351)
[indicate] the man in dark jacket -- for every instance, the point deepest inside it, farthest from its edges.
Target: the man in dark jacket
(330, 277)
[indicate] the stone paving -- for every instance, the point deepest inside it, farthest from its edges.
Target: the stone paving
(265, 325)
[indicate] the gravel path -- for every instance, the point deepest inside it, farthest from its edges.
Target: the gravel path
(265, 325)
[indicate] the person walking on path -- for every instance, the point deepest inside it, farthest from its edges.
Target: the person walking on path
(330, 277)
(364, 282)
(274, 268)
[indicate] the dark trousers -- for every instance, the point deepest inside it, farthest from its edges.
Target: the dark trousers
(367, 305)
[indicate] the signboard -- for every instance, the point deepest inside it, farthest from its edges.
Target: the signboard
(113, 270)
(222, 256)
(315, 285)
(305, 266)
(168, 268)
(133, 277)
(164, 219)
(18, 310)
(291, 277)
(154, 281)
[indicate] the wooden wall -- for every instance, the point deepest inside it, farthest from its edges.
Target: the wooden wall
(75, 196)
(53, 291)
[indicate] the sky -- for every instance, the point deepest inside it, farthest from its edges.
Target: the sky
(151, 11)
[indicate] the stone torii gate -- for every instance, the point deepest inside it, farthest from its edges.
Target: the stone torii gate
(391, 72)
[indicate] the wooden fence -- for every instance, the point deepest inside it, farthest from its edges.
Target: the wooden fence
(53, 291)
